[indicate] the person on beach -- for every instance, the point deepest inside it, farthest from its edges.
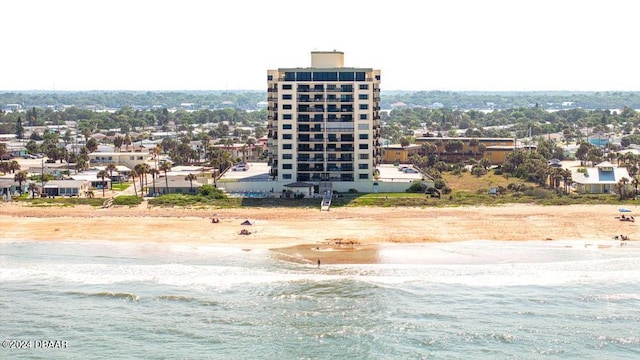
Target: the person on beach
(318, 263)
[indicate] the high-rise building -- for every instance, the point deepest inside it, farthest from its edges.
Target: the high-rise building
(324, 123)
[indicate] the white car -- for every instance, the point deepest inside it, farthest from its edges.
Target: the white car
(410, 171)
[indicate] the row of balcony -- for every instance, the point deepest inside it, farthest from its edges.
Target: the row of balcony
(305, 159)
(330, 119)
(330, 89)
(321, 109)
(323, 139)
(324, 177)
(320, 148)
(321, 99)
(330, 168)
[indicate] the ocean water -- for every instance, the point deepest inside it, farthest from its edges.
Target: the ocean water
(463, 300)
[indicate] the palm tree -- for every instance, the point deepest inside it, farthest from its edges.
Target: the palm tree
(166, 166)
(153, 173)
(13, 166)
(635, 181)
(33, 187)
(20, 177)
(156, 153)
(190, 179)
(473, 143)
(566, 179)
(140, 170)
(3, 151)
(206, 139)
(127, 141)
(133, 174)
(111, 168)
(622, 187)
(81, 164)
(103, 174)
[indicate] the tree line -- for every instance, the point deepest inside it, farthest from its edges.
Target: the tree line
(248, 100)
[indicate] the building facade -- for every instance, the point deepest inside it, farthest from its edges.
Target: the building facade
(324, 123)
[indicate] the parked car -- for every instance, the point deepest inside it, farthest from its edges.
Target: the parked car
(433, 192)
(240, 167)
(410, 171)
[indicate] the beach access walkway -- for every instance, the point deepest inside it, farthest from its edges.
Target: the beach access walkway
(327, 194)
(326, 201)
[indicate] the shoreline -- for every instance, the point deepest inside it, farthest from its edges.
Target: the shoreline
(340, 236)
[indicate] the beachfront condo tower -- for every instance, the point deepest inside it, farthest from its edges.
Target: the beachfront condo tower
(324, 123)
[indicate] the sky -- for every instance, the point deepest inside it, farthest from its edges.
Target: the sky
(448, 45)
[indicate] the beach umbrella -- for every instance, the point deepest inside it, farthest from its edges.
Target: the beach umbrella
(624, 210)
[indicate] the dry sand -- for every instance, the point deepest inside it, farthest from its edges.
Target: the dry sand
(342, 235)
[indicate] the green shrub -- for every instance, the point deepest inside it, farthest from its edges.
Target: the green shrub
(127, 200)
(211, 192)
(416, 187)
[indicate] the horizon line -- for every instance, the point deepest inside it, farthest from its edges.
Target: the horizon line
(265, 90)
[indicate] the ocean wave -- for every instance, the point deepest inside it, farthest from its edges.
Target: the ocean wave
(110, 295)
(185, 299)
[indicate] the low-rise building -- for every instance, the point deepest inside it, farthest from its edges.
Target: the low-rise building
(128, 159)
(66, 188)
(600, 179)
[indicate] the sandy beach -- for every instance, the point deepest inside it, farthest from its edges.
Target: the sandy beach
(342, 235)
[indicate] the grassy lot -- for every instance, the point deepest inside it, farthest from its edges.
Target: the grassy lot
(120, 187)
(468, 183)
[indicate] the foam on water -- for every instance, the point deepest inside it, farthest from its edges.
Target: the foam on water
(472, 300)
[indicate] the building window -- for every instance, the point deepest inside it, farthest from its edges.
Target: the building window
(378, 77)
(363, 146)
(286, 87)
(286, 176)
(363, 116)
(286, 106)
(286, 146)
(325, 76)
(287, 166)
(346, 76)
(286, 127)
(286, 96)
(286, 117)
(364, 106)
(287, 136)
(363, 97)
(363, 176)
(364, 86)
(289, 76)
(287, 156)
(363, 136)
(360, 76)
(269, 77)
(303, 76)
(363, 156)
(363, 166)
